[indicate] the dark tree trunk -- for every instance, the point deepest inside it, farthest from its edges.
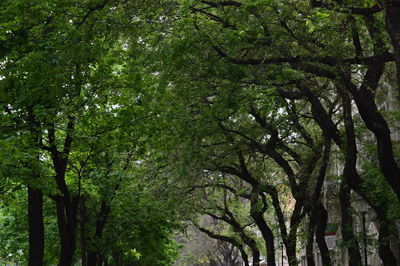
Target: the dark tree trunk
(269, 240)
(245, 257)
(352, 178)
(385, 252)
(348, 235)
(350, 171)
(377, 124)
(67, 229)
(310, 239)
(291, 251)
(291, 240)
(320, 235)
(266, 232)
(93, 256)
(66, 205)
(36, 227)
(251, 243)
(101, 260)
(35, 201)
(318, 215)
(256, 257)
(393, 28)
(82, 227)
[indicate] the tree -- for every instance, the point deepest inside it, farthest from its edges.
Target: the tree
(241, 101)
(318, 58)
(60, 74)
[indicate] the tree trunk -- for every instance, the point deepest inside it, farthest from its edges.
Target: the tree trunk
(66, 205)
(35, 201)
(320, 235)
(82, 227)
(101, 220)
(67, 229)
(317, 227)
(310, 239)
(377, 124)
(393, 28)
(230, 240)
(264, 228)
(351, 155)
(251, 243)
(245, 257)
(92, 258)
(36, 227)
(348, 235)
(385, 252)
(92, 255)
(349, 170)
(291, 240)
(291, 251)
(256, 258)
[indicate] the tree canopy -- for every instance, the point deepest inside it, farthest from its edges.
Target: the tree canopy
(255, 122)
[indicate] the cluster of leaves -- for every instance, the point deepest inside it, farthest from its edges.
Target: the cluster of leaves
(72, 93)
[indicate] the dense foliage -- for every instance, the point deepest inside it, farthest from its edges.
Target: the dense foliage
(258, 122)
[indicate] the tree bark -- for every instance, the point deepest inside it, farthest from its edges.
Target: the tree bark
(375, 122)
(36, 227)
(35, 200)
(264, 228)
(393, 28)
(82, 227)
(101, 220)
(320, 235)
(310, 239)
(352, 177)
(66, 205)
(67, 229)
(351, 161)
(348, 235)
(290, 240)
(385, 252)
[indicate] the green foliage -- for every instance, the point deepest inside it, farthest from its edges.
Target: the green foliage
(159, 98)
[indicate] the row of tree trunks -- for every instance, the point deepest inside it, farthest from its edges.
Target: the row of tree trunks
(230, 240)
(364, 98)
(351, 176)
(229, 218)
